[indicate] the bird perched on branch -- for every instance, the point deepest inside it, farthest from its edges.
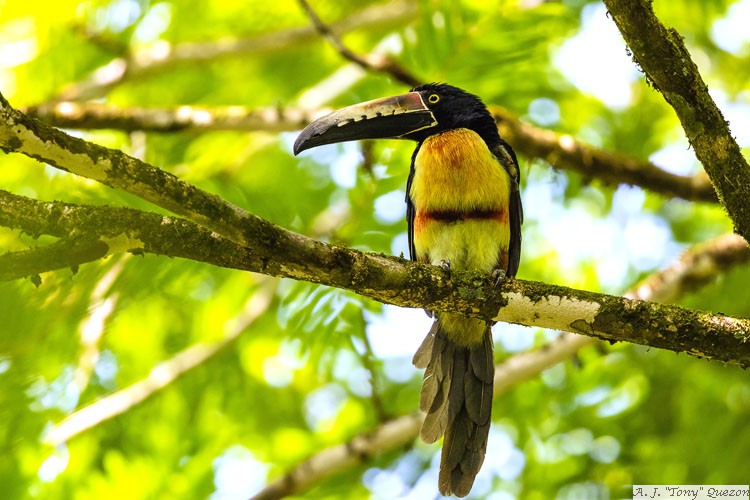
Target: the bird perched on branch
(463, 211)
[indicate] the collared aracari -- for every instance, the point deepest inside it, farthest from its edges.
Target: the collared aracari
(463, 211)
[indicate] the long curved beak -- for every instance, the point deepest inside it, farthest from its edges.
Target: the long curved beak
(388, 117)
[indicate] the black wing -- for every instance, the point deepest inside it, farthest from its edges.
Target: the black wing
(410, 206)
(508, 160)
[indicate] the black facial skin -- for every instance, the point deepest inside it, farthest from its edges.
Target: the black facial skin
(456, 108)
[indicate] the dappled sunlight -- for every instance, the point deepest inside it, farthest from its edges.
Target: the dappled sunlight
(595, 59)
(237, 474)
(229, 344)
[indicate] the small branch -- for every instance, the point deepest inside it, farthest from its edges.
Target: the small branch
(695, 268)
(59, 255)
(163, 56)
(102, 304)
(662, 55)
(326, 32)
(719, 254)
(104, 231)
(368, 361)
(161, 376)
(103, 41)
(394, 280)
(19, 133)
(559, 150)
(370, 62)
(387, 436)
(91, 115)
(564, 152)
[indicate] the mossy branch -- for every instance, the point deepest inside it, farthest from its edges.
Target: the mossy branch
(688, 273)
(387, 279)
(661, 54)
(559, 150)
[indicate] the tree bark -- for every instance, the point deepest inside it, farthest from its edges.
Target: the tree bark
(386, 279)
(559, 150)
(661, 54)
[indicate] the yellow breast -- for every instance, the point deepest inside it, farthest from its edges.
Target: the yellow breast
(456, 171)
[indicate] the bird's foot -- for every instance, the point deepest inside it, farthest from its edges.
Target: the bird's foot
(446, 266)
(499, 276)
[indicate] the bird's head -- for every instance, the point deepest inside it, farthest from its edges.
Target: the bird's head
(426, 110)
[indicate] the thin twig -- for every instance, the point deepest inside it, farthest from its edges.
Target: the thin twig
(162, 375)
(325, 31)
(102, 304)
(368, 361)
(163, 56)
(368, 159)
(369, 62)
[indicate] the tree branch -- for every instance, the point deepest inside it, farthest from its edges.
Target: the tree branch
(163, 56)
(91, 115)
(393, 280)
(102, 303)
(385, 437)
(19, 133)
(564, 152)
(661, 54)
(559, 150)
(368, 360)
(161, 376)
(279, 252)
(371, 62)
(694, 269)
(688, 273)
(59, 255)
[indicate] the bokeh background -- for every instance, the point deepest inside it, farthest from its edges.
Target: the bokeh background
(217, 382)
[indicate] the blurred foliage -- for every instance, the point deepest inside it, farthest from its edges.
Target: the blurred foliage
(303, 376)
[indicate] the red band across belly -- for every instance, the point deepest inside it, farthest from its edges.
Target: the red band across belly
(424, 217)
(449, 216)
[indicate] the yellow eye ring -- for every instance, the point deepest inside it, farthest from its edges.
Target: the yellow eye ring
(433, 99)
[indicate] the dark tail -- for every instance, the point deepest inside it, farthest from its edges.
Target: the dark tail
(457, 398)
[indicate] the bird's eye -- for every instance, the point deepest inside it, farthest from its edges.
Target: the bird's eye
(433, 99)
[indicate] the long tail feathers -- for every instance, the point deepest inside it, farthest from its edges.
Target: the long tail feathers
(457, 398)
